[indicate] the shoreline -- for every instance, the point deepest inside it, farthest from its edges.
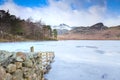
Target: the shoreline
(27, 40)
(63, 40)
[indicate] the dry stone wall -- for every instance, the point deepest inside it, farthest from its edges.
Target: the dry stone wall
(24, 66)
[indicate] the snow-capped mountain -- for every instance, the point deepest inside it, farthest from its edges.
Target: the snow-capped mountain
(62, 27)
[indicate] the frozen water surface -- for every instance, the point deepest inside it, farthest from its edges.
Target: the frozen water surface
(77, 59)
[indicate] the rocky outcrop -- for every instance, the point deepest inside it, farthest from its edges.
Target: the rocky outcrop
(80, 30)
(24, 66)
(89, 29)
(98, 26)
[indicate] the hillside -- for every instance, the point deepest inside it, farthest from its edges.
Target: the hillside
(94, 32)
(13, 28)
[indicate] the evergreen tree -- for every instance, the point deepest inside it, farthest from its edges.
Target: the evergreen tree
(55, 33)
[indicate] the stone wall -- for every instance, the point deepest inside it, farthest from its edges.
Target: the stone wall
(24, 66)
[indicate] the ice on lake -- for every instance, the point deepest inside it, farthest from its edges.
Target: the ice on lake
(77, 59)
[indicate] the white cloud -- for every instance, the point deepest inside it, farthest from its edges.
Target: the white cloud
(114, 21)
(61, 12)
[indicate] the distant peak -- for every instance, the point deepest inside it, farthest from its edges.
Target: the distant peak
(63, 24)
(98, 26)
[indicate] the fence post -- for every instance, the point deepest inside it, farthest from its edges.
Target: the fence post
(32, 49)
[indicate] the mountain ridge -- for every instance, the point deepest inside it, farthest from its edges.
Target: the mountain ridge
(97, 31)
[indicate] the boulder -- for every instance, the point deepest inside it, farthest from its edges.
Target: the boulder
(34, 76)
(4, 55)
(28, 63)
(19, 59)
(2, 73)
(18, 65)
(21, 56)
(28, 74)
(8, 76)
(11, 68)
(18, 75)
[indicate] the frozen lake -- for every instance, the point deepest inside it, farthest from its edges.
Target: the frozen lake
(77, 59)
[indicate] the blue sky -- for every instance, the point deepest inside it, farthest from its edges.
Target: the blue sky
(113, 6)
(32, 3)
(71, 12)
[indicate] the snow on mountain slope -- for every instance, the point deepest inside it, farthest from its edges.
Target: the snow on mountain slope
(62, 27)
